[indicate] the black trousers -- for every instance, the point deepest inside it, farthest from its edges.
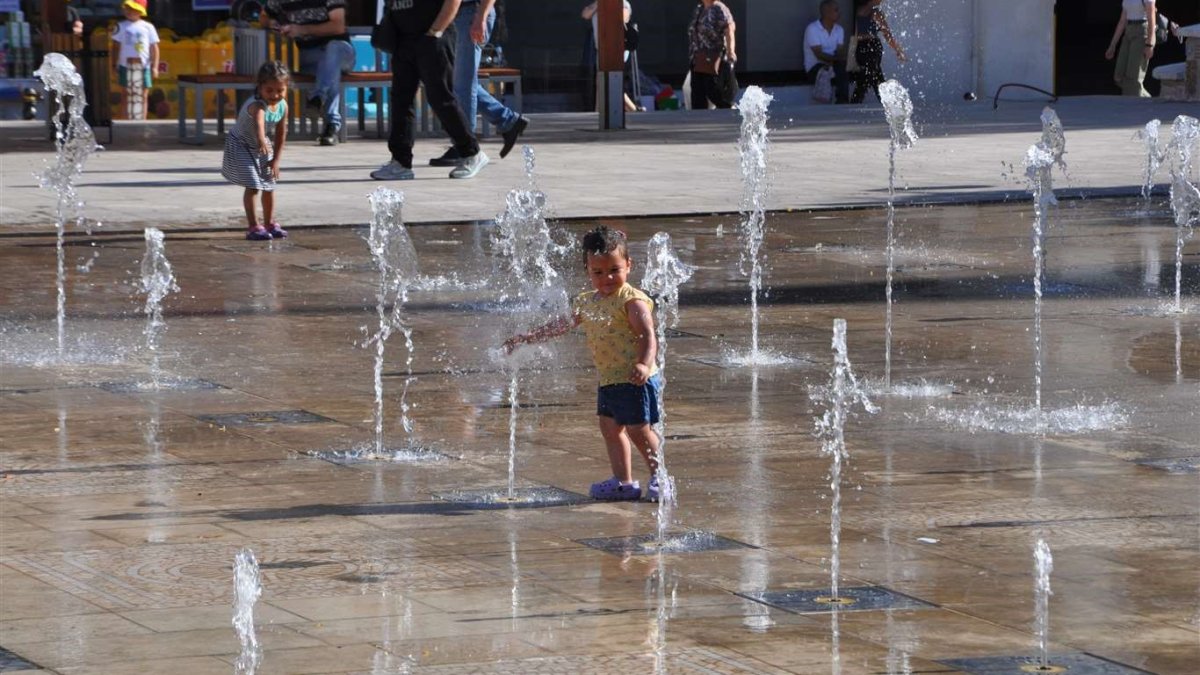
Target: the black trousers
(429, 61)
(841, 80)
(870, 63)
(705, 89)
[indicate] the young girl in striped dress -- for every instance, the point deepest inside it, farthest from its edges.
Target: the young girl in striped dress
(251, 160)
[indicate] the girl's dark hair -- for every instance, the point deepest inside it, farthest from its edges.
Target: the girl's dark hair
(272, 71)
(602, 241)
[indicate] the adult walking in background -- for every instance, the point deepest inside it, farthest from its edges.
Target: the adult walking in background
(712, 49)
(318, 27)
(825, 47)
(414, 31)
(473, 26)
(1136, 35)
(869, 23)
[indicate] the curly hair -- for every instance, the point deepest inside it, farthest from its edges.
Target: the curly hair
(602, 241)
(273, 71)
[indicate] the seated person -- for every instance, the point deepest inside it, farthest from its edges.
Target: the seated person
(825, 45)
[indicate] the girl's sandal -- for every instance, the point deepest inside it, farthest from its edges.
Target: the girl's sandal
(277, 232)
(258, 233)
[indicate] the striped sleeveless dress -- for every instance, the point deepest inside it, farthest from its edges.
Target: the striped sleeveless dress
(242, 164)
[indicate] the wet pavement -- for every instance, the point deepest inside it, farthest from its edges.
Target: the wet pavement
(122, 509)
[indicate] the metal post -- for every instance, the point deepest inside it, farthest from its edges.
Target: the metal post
(610, 75)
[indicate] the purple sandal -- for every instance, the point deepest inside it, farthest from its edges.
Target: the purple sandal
(276, 231)
(258, 233)
(612, 490)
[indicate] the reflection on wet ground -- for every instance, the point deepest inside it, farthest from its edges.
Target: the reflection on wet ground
(122, 508)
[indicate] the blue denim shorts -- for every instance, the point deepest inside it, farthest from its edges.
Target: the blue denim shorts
(630, 404)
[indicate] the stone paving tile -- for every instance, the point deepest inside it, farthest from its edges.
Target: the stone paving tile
(127, 504)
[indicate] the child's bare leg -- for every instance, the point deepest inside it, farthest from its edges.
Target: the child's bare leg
(617, 444)
(248, 203)
(268, 200)
(645, 439)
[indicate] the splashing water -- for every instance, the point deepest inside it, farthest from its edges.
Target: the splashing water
(838, 399)
(898, 108)
(753, 145)
(528, 155)
(1154, 154)
(525, 258)
(1075, 419)
(1185, 195)
(247, 587)
(665, 273)
(1040, 160)
(157, 282)
(1041, 594)
(396, 260)
(74, 142)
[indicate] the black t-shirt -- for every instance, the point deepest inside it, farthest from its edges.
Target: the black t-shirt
(306, 13)
(413, 17)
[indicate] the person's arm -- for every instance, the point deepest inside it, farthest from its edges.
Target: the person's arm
(154, 57)
(887, 35)
(445, 17)
(543, 333)
(641, 322)
(280, 137)
(1151, 30)
(1112, 45)
(259, 112)
(336, 25)
(730, 36)
(480, 22)
(589, 11)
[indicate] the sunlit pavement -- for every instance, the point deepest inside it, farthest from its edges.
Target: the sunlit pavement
(122, 509)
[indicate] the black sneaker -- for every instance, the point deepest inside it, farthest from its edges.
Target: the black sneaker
(511, 136)
(329, 136)
(449, 158)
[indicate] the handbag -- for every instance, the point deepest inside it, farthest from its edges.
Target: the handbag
(727, 84)
(852, 55)
(384, 36)
(704, 64)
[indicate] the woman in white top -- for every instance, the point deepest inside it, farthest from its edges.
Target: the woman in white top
(1135, 33)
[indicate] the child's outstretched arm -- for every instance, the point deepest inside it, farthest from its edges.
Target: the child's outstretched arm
(641, 322)
(543, 333)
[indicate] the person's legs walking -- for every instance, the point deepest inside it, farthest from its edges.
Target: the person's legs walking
(700, 82)
(434, 65)
(337, 56)
(617, 444)
(405, 81)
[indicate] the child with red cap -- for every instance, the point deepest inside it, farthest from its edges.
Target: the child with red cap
(135, 44)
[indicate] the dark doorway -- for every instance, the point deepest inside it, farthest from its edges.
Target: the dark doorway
(1083, 31)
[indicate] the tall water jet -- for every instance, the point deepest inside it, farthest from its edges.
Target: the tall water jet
(247, 587)
(1041, 595)
(665, 273)
(157, 282)
(898, 108)
(753, 145)
(838, 399)
(74, 142)
(1154, 154)
(1185, 195)
(524, 258)
(1040, 160)
(396, 260)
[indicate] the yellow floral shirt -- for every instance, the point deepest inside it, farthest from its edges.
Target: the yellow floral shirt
(606, 325)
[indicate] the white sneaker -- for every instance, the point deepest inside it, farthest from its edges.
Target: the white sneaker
(470, 166)
(393, 170)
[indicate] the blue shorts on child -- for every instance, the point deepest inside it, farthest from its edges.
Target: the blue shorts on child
(630, 403)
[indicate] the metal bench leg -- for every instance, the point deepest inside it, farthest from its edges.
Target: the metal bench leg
(182, 113)
(220, 112)
(198, 103)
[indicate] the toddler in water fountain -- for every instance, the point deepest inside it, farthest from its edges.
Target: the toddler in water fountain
(618, 321)
(253, 145)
